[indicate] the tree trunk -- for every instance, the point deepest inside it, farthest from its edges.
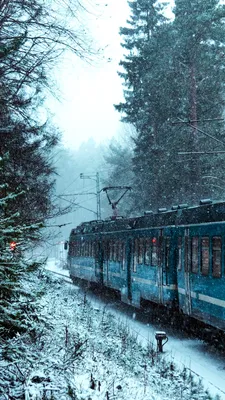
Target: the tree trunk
(195, 167)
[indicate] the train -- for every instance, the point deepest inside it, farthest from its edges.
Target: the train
(174, 258)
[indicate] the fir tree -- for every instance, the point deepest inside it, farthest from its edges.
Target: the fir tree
(198, 54)
(14, 303)
(174, 72)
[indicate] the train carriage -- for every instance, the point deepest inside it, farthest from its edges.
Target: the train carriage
(170, 257)
(201, 278)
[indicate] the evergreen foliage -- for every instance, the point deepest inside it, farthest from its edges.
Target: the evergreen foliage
(119, 157)
(33, 35)
(173, 71)
(15, 301)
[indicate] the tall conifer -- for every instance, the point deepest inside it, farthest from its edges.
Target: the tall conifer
(174, 72)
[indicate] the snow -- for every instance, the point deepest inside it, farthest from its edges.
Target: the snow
(55, 265)
(187, 353)
(84, 349)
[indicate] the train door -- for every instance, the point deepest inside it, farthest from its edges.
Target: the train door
(160, 266)
(166, 269)
(130, 264)
(127, 265)
(187, 266)
(105, 260)
(99, 262)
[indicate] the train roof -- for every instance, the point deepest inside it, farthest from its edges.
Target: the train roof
(206, 212)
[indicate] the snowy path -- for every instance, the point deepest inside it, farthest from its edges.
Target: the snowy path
(193, 354)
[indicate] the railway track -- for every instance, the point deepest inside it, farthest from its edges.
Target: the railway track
(66, 277)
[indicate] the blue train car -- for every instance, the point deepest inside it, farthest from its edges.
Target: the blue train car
(201, 277)
(127, 256)
(174, 257)
(151, 267)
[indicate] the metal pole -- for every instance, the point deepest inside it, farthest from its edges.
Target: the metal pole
(98, 196)
(97, 180)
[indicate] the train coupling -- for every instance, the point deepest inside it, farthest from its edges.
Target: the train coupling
(162, 339)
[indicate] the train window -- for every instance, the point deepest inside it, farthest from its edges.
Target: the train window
(89, 248)
(107, 249)
(160, 250)
(205, 256)
(140, 251)
(216, 256)
(123, 255)
(194, 255)
(94, 245)
(111, 250)
(187, 252)
(115, 252)
(104, 251)
(86, 249)
(82, 249)
(179, 261)
(78, 249)
(154, 257)
(147, 252)
(120, 251)
(136, 248)
(73, 248)
(135, 259)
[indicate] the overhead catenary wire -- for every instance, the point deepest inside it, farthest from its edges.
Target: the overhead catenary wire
(200, 130)
(181, 153)
(61, 196)
(76, 204)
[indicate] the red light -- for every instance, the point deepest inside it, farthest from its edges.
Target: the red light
(154, 240)
(12, 246)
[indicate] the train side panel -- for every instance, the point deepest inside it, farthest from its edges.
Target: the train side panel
(84, 258)
(201, 278)
(153, 267)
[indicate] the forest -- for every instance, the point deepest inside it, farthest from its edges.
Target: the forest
(34, 35)
(173, 76)
(173, 149)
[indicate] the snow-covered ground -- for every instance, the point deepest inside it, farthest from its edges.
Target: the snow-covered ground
(195, 355)
(182, 353)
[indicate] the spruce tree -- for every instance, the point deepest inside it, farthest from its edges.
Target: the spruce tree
(198, 54)
(174, 74)
(33, 34)
(15, 301)
(148, 78)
